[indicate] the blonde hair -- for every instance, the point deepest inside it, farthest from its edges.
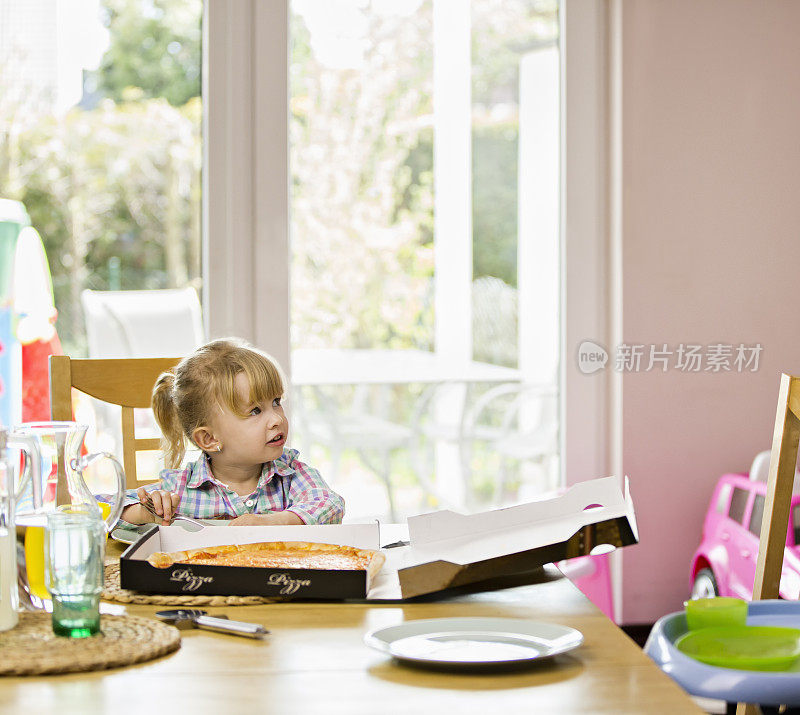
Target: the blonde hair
(184, 397)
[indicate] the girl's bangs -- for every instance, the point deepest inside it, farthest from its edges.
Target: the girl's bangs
(266, 382)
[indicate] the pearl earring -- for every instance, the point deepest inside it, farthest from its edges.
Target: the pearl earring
(219, 447)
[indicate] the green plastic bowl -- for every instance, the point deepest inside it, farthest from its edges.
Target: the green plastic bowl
(743, 647)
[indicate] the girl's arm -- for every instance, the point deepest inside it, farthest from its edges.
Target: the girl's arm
(275, 518)
(309, 497)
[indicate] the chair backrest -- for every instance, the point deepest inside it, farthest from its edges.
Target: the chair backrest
(142, 323)
(127, 382)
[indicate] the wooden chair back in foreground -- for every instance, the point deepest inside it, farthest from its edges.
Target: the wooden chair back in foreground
(782, 465)
(127, 382)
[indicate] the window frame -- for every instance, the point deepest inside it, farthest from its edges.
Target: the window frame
(245, 172)
(246, 206)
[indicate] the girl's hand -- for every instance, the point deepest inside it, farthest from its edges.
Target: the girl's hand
(165, 504)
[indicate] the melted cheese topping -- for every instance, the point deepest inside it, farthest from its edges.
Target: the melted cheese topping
(288, 559)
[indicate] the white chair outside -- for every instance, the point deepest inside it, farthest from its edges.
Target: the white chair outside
(350, 427)
(142, 323)
(495, 311)
(518, 423)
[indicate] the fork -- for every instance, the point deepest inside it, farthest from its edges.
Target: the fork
(148, 504)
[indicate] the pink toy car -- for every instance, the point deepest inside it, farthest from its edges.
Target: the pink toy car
(725, 562)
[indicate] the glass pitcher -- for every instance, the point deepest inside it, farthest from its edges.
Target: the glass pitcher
(61, 478)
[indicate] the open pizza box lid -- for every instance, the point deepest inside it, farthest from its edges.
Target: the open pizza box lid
(444, 549)
(447, 549)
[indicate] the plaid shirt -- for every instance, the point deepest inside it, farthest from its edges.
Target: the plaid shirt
(285, 484)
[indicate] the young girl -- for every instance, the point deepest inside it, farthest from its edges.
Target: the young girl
(225, 398)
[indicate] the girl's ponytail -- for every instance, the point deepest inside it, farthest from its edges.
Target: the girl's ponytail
(166, 414)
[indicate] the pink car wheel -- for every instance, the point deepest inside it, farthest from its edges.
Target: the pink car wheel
(705, 585)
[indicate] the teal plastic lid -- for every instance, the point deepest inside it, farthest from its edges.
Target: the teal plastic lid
(743, 647)
(715, 612)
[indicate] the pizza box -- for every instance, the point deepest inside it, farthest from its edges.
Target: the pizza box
(431, 553)
(137, 574)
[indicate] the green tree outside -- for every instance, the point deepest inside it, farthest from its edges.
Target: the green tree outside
(155, 47)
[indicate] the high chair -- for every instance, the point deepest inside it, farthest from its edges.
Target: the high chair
(127, 382)
(707, 681)
(780, 482)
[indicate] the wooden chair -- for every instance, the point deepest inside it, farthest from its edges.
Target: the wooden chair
(782, 465)
(127, 382)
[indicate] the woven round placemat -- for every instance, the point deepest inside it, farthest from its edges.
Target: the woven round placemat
(112, 591)
(33, 649)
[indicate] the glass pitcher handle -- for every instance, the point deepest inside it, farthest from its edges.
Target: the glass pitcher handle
(81, 464)
(32, 466)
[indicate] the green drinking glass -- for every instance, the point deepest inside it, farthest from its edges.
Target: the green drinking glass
(74, 550)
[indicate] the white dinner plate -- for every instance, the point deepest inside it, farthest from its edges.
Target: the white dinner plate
(469, 642)
(128, 535)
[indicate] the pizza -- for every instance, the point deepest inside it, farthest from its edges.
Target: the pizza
(277, 555)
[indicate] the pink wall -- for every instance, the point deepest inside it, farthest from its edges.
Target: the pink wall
(711, 253)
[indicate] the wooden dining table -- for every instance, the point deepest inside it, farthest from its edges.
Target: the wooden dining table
(314, 660)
